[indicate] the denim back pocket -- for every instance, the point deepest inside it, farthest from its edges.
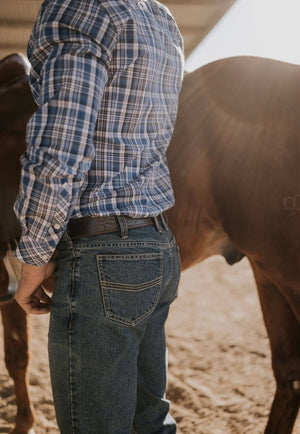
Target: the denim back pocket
(130, 285)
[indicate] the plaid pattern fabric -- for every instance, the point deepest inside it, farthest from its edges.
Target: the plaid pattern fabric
(106, 75)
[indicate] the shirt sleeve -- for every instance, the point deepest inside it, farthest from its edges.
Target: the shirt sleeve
(76, 52)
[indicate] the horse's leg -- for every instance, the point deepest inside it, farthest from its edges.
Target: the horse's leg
(284, 334)
(16, 357)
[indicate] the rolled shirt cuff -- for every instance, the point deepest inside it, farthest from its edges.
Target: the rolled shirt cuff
(34, 252)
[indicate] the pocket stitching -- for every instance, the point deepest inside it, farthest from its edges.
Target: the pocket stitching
(104, 288)
(121, 286)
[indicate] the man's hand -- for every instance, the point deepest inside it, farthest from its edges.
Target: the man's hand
(30, 294)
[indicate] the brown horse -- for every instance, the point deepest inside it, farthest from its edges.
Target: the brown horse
(16, 107)
(234, 161)
(234, 165)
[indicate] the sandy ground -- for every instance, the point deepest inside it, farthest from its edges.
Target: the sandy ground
(220, 379)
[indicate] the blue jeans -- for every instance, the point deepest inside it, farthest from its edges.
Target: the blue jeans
(107, 346)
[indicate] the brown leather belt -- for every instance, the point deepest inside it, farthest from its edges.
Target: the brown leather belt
(86, 226)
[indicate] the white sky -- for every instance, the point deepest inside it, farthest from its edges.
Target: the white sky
(265, 28)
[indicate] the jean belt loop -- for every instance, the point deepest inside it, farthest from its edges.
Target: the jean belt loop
(123, 226)
(164, 220)
(66, 237)
(158, 226)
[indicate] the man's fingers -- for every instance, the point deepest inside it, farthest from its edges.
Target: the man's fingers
(39, 309)
(30, 295)
(42, 296)
(34, 306)
(37, 303)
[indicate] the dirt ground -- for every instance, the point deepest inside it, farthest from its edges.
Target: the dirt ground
(220, 378)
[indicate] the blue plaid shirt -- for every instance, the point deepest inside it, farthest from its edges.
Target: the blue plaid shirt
(106, 76)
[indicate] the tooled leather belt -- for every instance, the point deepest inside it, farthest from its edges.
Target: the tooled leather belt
(88, 226)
